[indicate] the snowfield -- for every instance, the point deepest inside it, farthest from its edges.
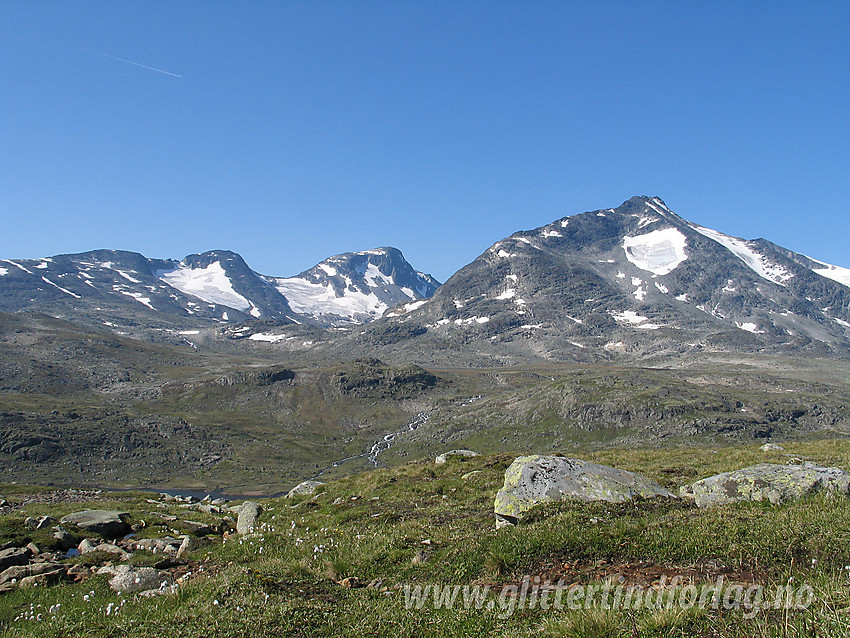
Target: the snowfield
(836, 273)
(210, 284)
(320, 299)
(755, 260)
(658, 252)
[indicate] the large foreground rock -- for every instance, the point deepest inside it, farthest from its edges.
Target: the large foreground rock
(109, 524)
(536, 479)
(767, 482)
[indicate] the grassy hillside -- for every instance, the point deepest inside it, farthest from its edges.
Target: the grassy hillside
(421, 524)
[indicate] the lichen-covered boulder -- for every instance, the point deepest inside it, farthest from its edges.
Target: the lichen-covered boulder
(463, 454)
(767, 482)
(536, 479)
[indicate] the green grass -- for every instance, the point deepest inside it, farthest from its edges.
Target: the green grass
(422, 524)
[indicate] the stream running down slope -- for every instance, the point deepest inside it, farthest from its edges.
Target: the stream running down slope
(381, 445)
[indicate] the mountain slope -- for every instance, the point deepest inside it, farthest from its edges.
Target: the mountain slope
(636, 280)
(355, 287)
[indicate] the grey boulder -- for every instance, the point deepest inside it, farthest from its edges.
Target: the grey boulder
(537, 479)
(249, 513)
(767, 482)
(305, 488)
(128, 579)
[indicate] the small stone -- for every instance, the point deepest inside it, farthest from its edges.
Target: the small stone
(351, 582)
(420, 557)
(109, 548)
(196, 527)
(86, 546)
(43, 575)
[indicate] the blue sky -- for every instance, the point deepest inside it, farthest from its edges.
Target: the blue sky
(298, 130)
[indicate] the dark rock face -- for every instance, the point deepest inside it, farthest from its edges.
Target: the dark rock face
(372, 378)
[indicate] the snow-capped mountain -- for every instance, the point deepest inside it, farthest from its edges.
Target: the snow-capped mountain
(355, 287)
(216, 286)
(637, 279)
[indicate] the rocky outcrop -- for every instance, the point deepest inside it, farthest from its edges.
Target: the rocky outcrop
(767, 482)
(531, 480)
(14, 556)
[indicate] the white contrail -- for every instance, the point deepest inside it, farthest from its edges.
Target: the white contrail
(144, 66)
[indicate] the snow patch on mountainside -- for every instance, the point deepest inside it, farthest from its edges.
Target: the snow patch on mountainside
(749, 326)
(266, 337)
(315, 299)
(210, 284)
(755, 260)
(65, 290)
(836, 273)
(3, 271)
(629, 316)
(146, 301)
(373, 275)
(658, 252)
(408, 307)
(17, 265)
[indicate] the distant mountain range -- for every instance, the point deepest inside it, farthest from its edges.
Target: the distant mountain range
(636, 281)
(216, 286)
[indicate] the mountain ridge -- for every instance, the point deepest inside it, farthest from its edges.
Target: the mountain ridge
(637, 281)
(217, 286)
